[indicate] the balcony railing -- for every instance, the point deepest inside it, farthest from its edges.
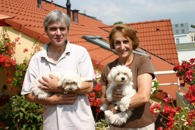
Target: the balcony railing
(179, 95)
(168, 73)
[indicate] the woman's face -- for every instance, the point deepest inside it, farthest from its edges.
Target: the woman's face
(57, 33)
(123, 45)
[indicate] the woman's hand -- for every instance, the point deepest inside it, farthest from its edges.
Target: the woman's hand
(112, 107)
(116, 93)
(50, 84)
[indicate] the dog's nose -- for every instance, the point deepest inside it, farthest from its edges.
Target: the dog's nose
(122, 78)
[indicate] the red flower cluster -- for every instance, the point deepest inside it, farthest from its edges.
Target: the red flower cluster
(7, 51)
(178, 118)
(191, 117)
(171, 112)
(156, 108)
(168, 99)
(174, 117)
(94, 97)
(190, 95)
(8, 62)
(186, 71)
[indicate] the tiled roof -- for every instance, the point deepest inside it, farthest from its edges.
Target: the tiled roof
(156, 37)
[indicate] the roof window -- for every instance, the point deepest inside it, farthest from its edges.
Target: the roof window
(98, 40)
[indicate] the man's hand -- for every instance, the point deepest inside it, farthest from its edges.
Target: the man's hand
(66, 99)
(50, 84)
(56, 99)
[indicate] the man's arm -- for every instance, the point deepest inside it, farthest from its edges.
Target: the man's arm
(55, 99)
(86, 88)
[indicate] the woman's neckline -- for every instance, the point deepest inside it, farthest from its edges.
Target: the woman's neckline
(128, 62)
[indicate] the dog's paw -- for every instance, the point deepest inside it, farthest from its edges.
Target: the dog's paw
(109, 97)
(124, 103)
(108, 116)
(43, 96)
(119, 118)
(40, 93)
(108, 113)
(104, 107)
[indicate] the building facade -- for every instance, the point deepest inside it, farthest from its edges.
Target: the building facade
(182, 33)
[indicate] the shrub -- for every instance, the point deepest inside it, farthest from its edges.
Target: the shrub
(22, 115)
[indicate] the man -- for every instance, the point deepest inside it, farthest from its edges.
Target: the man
(65, 111)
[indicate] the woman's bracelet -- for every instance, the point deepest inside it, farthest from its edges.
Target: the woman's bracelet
(116, 107)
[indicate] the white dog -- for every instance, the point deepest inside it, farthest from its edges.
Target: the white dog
(69, 81)
(119, 75)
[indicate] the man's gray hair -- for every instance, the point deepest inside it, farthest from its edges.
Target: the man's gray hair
(56, 16)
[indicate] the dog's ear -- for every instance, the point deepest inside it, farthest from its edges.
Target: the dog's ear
(130, 75)
(112, 74)
(109, 76)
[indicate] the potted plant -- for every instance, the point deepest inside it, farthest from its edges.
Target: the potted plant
(172, 117)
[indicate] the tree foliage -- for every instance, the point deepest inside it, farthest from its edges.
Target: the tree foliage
(119, 22)
(192, 26)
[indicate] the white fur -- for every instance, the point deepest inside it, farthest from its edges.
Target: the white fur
(69, 81)
(119, 75)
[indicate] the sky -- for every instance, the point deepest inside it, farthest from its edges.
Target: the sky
(130, 11)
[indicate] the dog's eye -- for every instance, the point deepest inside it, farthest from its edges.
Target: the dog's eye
(125, 73)
(118, 73)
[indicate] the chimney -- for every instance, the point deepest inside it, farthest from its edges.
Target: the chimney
(39, 3)
(68, 7)
(75, 15)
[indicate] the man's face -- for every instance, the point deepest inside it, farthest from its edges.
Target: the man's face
(57, 33)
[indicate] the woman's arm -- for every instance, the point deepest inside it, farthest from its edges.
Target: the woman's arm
(144, 88)
(103, 95)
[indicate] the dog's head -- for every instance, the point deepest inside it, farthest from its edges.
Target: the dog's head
(71, 82)
(120, 75)
(70, 86)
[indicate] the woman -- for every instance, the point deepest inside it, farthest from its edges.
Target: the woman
(65, 111)
(124, 40)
